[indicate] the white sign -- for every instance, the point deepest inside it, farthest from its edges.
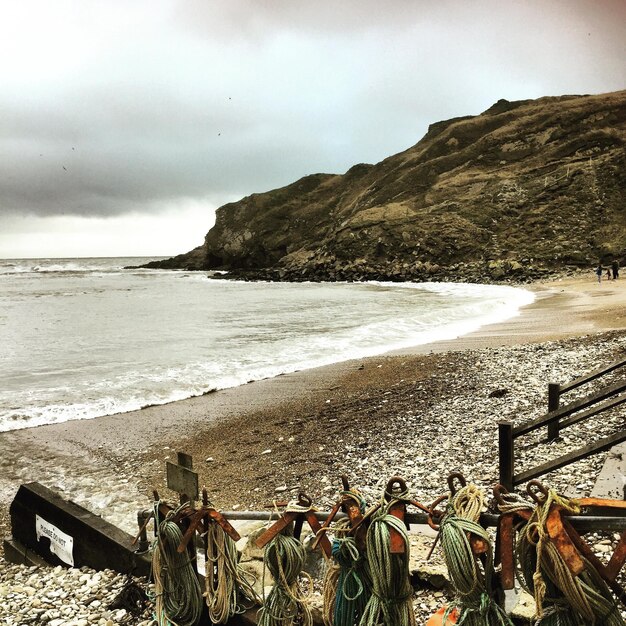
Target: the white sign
(60, 544)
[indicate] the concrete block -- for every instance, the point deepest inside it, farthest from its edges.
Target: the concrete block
(612, 478)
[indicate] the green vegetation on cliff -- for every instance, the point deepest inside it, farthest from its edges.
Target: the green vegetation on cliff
(523, 188)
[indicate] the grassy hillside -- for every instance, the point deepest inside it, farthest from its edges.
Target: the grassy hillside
(523, 188)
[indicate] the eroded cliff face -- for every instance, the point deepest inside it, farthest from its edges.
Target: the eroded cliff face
(522, 188)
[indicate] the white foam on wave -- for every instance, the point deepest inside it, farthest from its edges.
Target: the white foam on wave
(72, 266)
(478, 305)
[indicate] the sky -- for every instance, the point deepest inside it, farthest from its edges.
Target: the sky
(124, 124)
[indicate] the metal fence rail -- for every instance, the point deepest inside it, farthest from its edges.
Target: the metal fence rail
(582, 523)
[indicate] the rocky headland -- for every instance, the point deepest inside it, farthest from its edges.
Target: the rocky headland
(520, 192)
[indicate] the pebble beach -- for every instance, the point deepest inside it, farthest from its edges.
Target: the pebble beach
(420, 414)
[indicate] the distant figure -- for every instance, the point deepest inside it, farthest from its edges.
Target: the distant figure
(608, 273)
(599, 271)
(615, 268)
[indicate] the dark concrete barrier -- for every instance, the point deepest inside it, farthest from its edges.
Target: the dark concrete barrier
(64, 533)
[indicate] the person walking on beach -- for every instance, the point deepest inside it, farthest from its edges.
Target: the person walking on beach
(615, 268)
(599, 271)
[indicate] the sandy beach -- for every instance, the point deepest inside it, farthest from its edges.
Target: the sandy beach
(367, 418)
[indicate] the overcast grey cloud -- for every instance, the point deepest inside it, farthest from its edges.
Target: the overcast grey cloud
(165, 109)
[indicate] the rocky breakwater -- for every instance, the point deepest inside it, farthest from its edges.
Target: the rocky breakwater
(521, 190)
(330, 270)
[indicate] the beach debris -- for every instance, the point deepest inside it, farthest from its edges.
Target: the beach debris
(280, 489)
(268, 451)
(498, 393)
(209, 459)
(132, 597)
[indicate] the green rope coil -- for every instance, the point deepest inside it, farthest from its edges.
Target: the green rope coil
(470, 578)
(353, 584)
(390, 603)
(285, 604)
(177, 590)
(347, 584)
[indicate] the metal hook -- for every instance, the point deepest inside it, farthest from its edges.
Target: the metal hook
(499, 491)
(534, 493)
(433, 514)
(389, 489)
(304, 500)
(458, 476)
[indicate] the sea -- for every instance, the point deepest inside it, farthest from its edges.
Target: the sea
(83, 338)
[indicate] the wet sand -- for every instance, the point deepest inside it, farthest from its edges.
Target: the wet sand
(125, 453)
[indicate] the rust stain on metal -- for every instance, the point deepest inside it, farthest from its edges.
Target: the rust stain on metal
(562, 541)
(396, 540)
(618, 559)
(601, 502)
(277, 527)
(316, 527)
(504, 551)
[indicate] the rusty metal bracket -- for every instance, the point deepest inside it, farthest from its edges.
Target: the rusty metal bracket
(398, 510)
(297, 518)
(562, 541)
(563, 535)
(352, 509)
(607, 572)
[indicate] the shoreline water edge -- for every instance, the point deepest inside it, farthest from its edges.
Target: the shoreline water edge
(84, 340)
(104, 461)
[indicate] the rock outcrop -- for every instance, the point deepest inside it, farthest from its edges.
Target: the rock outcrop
(525, 188)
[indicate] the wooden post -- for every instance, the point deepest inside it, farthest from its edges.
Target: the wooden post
(554, 394)
(182, 479)
(505, 453)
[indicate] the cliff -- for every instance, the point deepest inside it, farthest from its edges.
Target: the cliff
(524, 188)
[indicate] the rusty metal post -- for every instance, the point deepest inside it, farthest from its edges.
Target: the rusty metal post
(142, 521)
(505, 454)
(554, 394)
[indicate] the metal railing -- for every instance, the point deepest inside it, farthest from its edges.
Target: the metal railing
(558, 418)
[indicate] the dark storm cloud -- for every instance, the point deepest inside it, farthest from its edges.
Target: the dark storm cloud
(113, 109)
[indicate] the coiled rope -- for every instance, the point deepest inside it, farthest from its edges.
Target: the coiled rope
(178, 594)
(285, 604)
(470, 579)
(354, 583)
(562, 599)
(390, 603)
(228, 590)
(329, 595)
(347, 584)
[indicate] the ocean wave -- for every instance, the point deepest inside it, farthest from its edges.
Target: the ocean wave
(139, 342)
(72, 266)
